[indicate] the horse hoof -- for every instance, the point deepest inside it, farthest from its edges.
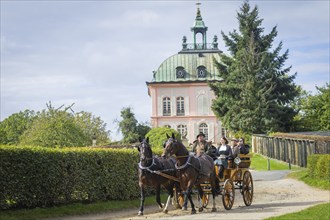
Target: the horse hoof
(200, 209)
(193, 212)
(214, 209)
(165, 211)
(184, 208)
(140, 213)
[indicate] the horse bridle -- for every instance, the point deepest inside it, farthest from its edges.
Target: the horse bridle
(142, 157)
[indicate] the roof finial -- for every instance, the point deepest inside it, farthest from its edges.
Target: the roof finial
(198, 11)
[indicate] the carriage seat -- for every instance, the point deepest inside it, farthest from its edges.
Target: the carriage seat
(245, 161)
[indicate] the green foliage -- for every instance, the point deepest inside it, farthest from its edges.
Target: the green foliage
(15, 125)
(256, 93)
(129, 126)
(301, 136)
(53, 128)
(319, 166)
(318, 212)
(143, 129)
(157, 136)
(315, 111)
(92, 125)
(38, 177)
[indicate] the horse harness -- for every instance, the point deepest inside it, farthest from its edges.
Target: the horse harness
(188, 163)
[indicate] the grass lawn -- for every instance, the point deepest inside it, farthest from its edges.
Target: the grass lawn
(259, 162)
(315, 182)
(77, 209)
(317, 212)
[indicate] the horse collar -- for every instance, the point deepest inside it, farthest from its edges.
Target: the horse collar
(146, 168)
(184, 165)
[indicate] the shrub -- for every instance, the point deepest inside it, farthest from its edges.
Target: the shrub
(157, 136)
(319, 166)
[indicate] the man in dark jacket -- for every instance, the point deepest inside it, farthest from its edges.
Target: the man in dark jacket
(200, 145)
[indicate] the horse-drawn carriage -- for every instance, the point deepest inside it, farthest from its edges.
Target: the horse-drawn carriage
(192, 171)
(236, 176)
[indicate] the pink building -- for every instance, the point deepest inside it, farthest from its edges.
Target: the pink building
(181, 97)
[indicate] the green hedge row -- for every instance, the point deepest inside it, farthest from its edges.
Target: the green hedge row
(319, 166)
(38, 177)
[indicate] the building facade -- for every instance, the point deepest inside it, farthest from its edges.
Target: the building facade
(181, 97)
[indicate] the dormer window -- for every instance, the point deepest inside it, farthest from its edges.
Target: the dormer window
(201, 72)
(180, 72)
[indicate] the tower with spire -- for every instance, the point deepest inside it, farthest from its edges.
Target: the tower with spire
(181, 97)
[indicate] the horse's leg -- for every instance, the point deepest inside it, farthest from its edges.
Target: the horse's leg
(200, 201)
(158, 196)
(193, 210)
(184, 207)
(170, 195)
(140, 213)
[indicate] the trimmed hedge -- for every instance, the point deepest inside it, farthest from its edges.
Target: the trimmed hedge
(38, 177)
(319, 166)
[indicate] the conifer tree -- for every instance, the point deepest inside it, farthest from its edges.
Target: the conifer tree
(257, 91)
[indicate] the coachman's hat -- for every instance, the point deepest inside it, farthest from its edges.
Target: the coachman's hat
(200, 134)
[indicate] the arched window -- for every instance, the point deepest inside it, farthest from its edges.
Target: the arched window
(180, 106)
(182, 129)
(203, 128)
(166, 106)
(167, 126)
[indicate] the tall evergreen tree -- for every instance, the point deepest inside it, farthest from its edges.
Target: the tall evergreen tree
(128, 125)
(257, 91)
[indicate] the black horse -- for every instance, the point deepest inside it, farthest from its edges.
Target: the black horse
(147, 177)
(191, 171)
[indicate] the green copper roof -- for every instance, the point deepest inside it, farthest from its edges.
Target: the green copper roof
(167, 71)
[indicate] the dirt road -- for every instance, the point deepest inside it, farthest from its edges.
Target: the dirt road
(273, 195)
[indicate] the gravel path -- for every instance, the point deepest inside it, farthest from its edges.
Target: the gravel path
(273, 195)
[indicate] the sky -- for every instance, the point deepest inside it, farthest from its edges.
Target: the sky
(100, 54)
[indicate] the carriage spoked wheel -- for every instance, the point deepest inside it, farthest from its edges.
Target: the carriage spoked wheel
(247, 188)
(228, 194)
(205, 200)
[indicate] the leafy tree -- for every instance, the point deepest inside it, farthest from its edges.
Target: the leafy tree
(128, 126)
(142, 129)
(315, 110)
(93, 127)
(256, 93)
(15, 125)
(157, 136)
(54, 128)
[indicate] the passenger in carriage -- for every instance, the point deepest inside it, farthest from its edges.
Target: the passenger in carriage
(200, 145)
(223, 152)
(243, 148)
(234, 148)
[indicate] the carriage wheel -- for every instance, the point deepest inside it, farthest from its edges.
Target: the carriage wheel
(247, 189)
(205, 200)
(228, 194)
